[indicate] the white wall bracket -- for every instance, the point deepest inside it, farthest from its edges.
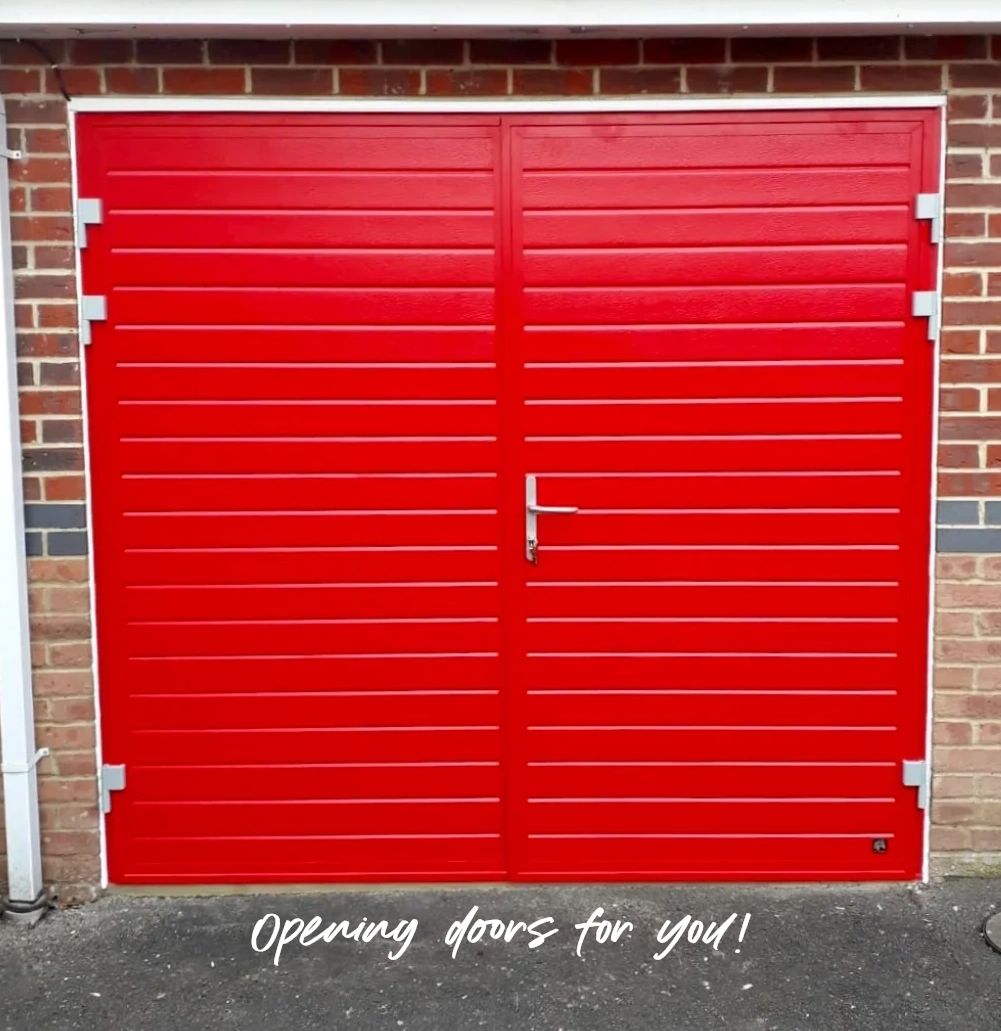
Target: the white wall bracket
(25, 767)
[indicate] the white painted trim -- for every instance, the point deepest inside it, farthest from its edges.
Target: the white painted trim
(513, 18)
(417, 105)
(933, 551)
(88, 500)
(17, 715)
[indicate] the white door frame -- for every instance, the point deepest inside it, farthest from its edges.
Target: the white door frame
(513, 105)
(423, 105)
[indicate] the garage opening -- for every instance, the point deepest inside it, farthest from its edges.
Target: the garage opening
(483, 497)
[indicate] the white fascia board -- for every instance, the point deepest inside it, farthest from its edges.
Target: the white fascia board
(519, 18)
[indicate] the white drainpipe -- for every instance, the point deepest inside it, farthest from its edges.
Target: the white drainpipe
(27, 899)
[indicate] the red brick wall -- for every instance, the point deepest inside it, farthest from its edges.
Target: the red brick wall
(967, 807)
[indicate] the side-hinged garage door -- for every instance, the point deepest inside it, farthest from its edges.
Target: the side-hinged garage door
(511, 497)
(293, 430)
(724, 650)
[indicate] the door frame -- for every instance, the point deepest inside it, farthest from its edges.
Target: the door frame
(422, 105)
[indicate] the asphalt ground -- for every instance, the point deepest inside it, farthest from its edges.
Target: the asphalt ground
(827, 958)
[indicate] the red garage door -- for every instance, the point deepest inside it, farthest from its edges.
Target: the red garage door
(340, 355)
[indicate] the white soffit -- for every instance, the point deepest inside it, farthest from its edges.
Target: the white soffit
(511, 18)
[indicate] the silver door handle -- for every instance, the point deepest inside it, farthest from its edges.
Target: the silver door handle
(553, 509)
(534, 509)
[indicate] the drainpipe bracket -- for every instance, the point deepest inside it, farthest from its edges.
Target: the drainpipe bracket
(24, 767)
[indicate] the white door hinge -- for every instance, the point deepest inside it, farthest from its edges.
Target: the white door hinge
(925, 305)
(93, 308)
(929, 206)
(89, 212)
(112, 779)
(915, 775)
(9, 154)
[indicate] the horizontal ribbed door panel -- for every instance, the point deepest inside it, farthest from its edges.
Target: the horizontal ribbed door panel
(335, 347)
(293, 424)
(721, 657)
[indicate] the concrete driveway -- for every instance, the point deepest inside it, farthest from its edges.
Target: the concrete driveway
(810, 958)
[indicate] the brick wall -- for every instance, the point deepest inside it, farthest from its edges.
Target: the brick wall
(967, 807)
(966, 833)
